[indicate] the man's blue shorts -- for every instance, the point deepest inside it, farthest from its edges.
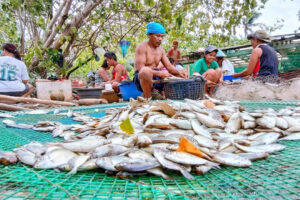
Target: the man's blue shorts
(156, 86)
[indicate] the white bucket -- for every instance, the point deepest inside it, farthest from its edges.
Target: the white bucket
(108, 86)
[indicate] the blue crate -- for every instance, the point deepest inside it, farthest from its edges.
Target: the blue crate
(129, 90)
(230, 78)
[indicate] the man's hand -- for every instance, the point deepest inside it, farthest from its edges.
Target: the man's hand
(164, 74)
(235, 75)
(221, 81)
(210, 83)
(183, 74)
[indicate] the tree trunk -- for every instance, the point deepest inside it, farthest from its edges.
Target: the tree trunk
(75, 23)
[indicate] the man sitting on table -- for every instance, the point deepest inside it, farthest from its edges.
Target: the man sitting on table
(147, 57)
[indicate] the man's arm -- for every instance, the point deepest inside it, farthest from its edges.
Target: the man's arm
(165, 61)
(103, 74)
(254, 57)
(140, 57)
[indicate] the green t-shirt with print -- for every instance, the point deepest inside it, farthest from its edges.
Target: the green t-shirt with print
(201, 66)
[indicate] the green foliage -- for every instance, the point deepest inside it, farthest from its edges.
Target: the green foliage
(194, 23)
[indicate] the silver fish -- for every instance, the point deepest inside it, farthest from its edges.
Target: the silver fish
(199, 129)
(209, 122)
(248, 124)
(294, 129)
(231, 159)
(247, 117)
(293, 136)
(181, 124)
(56, 111)
(77, 161)
(37, 112)
(84, 145)
(157, 171)
(44, 129)
(291, 121)
(109, 163)
(25, 156)
(36, 148)
(13, 124)
(185, 158)
(202, 169)
(267, 138)
(143, 141)
(55, 158)
(285, 112)
(254, 156)
(160, 156)
(136, 165)
(140, 154)
(7, 157)
(163, 139)
(188, 115)
(245, 132)
(6, 115)
(281, 123)
(88, 165)
(266, 122)
(205, 142)
(173, 147)
(109, 150)
(256, 115)
(267, 148)
(234, 123)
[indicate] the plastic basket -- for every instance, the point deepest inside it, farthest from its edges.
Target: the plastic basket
(129, 90)
(191, 89)
(86, 93)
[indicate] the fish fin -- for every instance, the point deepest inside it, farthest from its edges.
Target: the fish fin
(186, 174)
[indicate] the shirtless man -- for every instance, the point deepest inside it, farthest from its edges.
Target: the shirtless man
(147, 57)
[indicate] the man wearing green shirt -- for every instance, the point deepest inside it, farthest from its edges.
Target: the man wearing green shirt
(209, 69)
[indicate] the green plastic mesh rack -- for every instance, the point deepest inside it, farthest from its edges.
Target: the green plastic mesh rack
(277, 177)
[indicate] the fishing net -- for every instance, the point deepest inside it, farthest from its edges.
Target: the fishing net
(274, 178)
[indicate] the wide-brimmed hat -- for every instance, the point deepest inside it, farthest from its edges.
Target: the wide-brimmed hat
(220, 54)
(260, 35)
(210, 49)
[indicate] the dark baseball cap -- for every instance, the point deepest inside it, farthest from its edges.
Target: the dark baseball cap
(210, 49)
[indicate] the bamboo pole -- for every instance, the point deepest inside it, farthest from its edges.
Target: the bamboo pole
(34, 100)
(4, 106)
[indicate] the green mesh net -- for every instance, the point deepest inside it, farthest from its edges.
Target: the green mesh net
(277, 177)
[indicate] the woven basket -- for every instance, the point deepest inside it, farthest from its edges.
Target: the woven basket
(191, 89)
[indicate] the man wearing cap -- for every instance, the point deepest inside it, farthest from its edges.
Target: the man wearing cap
(209, 69)
(263, 61)
(147, 57)
(224, 63)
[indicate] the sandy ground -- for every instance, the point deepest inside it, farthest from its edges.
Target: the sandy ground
(254, 90)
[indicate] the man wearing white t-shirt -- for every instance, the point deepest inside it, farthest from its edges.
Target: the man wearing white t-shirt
(13, 73)
(224, 63)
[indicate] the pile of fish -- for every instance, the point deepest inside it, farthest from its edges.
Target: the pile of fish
(222, 130)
